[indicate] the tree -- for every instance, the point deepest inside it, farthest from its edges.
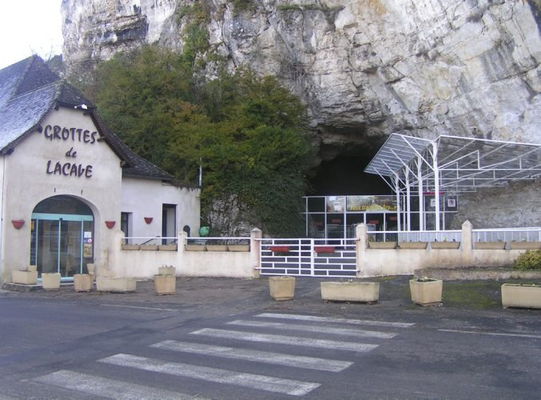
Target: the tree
(248, 133)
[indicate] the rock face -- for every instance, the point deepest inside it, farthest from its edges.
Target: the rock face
(365, 68)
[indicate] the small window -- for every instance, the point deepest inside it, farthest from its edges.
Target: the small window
(125, 223)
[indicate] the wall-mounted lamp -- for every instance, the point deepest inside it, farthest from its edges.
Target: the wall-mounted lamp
(148, 220)
(17, 223)
(110, 224)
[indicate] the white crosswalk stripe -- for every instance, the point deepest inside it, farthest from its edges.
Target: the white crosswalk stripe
(109, 388)
(260, 382)
(320, 364)
(361, 333)
(333, 329)
(289, 340)
(314, 318)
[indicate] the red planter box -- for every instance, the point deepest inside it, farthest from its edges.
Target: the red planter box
(280, 249)
(324, 249)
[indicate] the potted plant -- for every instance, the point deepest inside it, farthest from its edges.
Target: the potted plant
(445, 245)
(359, 291)
(282, 287)
(413, 245)
(426, 291)
(165, 282)
(382, 245)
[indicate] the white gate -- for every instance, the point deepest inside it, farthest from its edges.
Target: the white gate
(308, 257)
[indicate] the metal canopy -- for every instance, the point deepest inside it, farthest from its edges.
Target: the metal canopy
(452, 164)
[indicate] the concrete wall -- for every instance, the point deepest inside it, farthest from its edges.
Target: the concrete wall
(28, 179)
(144, 264)
(145, 198)
(381, 262)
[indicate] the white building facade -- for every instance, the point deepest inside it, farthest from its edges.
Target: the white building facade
(68, 185)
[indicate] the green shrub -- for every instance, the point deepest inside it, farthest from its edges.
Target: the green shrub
(529, 260)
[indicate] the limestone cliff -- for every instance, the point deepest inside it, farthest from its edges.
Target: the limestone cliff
(365, 68)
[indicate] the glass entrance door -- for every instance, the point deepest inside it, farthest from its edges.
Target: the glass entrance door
(62, 243)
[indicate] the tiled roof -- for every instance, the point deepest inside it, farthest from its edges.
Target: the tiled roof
(29, 90)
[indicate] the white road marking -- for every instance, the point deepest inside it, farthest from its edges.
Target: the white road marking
(492, 333)
(259, 382)
(320, 364)
(138, 307)
(337, 320)
(289, 340)
(321, 329)
(108, 388)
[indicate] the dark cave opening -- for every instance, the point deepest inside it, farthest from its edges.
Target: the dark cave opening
(344, 175)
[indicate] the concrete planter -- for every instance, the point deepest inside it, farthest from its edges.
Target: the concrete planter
(82, 282)
(50, 281)
(445, 245)
(426, 292)
(216, 247)
(130, 247)
(149, 247)
(525, 245)
(24, 277)
(167, 247)
(521, 295)
(195, 247)
(282, 287)
(32, 268)
(119, 285)
(413, 245)
(238, 247)
(364, 292)
(489, 245)
(165, 284)
(382, 245)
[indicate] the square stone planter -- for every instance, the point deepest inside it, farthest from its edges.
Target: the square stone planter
(445, 245)
(167, 247)
(413, 245)
(525, 245)
(82, 282)
(238, 247)
(165, 284)
(216, 247)
(118, 285)
(282, 287)
(521, 295)
(382, 245)
(50, 281)
(24, 277)
(489, 245)
(426, 292)
(363, 292)
(195, 247)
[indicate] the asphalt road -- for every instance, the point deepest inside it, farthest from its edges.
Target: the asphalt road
(236, 343)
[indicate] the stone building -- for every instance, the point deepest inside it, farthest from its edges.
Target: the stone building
(68, 183)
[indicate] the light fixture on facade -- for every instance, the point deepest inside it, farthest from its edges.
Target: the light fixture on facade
(148, 220)
(110, 224)
(17, 223)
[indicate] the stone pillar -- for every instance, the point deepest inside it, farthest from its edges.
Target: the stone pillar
(114, 265)
(467, 243)
(255, 250)
(361, 235)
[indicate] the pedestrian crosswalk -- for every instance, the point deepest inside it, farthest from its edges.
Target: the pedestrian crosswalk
(236, 353)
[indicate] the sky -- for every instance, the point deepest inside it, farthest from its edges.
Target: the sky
(29, 27)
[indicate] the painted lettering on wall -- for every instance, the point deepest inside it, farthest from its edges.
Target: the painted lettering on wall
(56, 132)
(70, 168)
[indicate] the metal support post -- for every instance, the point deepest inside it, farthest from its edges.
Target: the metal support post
(398, 208)
(436, 184)
(421, 194)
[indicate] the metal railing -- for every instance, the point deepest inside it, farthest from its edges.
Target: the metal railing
(149, 240)
(217, 240)
(526, 234)
(415, 236)
(308, 257)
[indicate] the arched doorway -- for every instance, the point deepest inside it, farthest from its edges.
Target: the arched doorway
(62, 235)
